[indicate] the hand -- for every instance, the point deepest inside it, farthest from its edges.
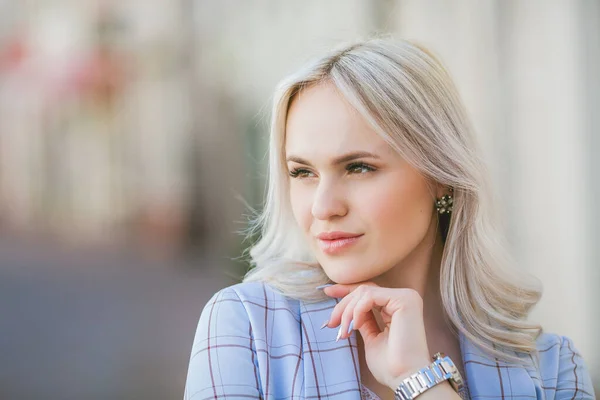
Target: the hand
(401, 348)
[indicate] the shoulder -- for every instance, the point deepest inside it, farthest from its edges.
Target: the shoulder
(249, 301)
(551, 347)
(562, 366)
(548, 345)
(228, 335)
(258, 293)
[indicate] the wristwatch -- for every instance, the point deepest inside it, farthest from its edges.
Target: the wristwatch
(440, 370)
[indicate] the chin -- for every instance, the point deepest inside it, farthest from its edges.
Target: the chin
(344, 272)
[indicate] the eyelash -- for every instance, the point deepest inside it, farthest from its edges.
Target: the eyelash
(298, 172)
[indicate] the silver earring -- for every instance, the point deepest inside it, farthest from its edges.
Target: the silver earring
(444, 205)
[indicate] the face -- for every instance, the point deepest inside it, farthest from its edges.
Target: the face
(363, 209)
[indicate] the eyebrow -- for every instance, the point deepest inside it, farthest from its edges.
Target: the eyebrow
(338, 160)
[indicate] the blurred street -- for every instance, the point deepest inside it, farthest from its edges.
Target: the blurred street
(93, 324)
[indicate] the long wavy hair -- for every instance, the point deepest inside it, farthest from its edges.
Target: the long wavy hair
(408, 97)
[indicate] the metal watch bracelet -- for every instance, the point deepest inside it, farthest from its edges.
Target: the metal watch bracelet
(440, 370)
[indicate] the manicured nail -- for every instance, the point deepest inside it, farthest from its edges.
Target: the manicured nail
(324, 286)
(324, 324)
(339, 335)
(351, 327)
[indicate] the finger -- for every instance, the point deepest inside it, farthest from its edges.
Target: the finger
(344, 290)
(348, 317)
(364, 319)
(345, 329)
(341, 290)
(401, 300)
(336, 314)
(391, 300)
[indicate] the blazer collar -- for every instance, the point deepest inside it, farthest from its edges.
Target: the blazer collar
(485, 376)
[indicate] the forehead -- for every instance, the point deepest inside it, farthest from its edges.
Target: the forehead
(321, 122)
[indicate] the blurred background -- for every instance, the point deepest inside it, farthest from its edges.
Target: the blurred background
(133, 139)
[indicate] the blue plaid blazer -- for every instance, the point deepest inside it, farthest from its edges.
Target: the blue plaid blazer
(254, 343)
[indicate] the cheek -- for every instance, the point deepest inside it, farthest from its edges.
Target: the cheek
(398, 214)
(300, 201)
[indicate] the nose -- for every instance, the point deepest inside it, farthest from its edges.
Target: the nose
(329, 201)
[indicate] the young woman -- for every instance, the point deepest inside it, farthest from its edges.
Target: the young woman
(377, 190)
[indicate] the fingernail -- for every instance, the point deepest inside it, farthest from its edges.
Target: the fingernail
(324, 286)
(351, 327)
(324, 324)
(339, 335)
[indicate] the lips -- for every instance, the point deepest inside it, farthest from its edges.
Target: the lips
(337, 235)
(336, 242)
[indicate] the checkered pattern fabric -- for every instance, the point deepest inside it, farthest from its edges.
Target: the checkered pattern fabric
(253, 342)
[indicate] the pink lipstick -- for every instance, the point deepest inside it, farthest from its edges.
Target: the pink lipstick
(336, 242)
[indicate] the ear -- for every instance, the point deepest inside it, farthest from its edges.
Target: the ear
(441, 190)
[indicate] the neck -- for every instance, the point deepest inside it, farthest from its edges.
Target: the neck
(421, 271)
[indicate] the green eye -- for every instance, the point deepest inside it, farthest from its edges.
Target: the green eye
(299, 173)
(359, 168)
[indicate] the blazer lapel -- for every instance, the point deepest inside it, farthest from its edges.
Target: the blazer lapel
(490, 378)
(331, 368)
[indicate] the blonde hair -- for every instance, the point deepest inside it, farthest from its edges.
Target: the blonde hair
(408, 97)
